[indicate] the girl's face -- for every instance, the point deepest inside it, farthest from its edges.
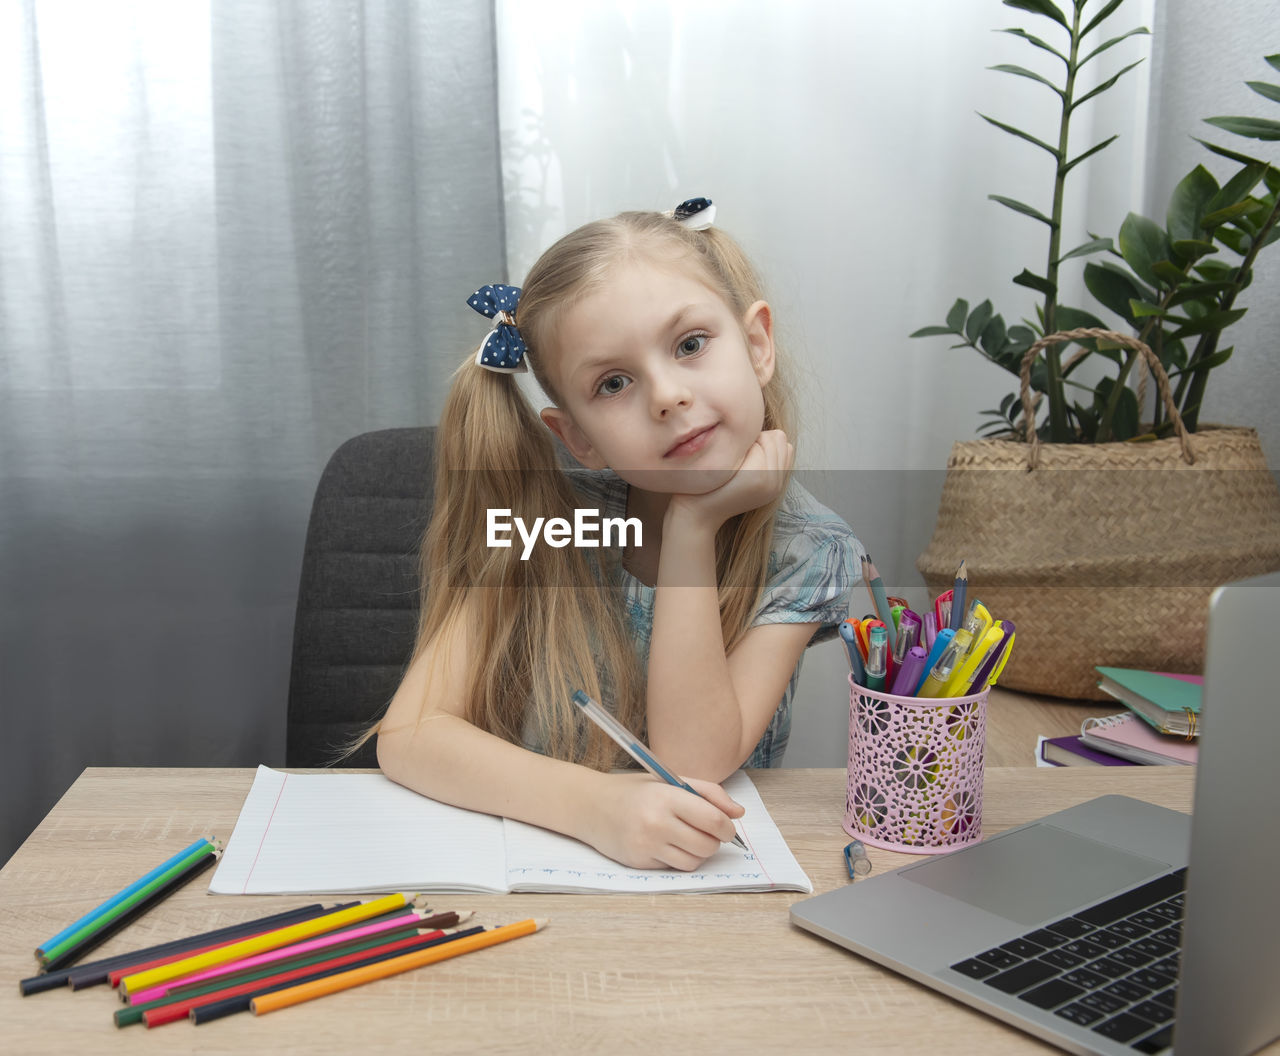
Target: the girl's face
(659, 380)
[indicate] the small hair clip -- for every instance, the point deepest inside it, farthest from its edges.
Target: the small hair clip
(503, 350)
(697, 214)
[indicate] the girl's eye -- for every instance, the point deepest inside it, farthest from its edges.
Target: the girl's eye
(613, 384)
(692, 345)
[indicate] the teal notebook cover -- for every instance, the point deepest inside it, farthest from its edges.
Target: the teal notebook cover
(1167, 694)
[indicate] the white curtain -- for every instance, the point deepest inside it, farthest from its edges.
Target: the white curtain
(232, 235)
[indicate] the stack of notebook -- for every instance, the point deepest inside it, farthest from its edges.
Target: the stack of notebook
(1160, 727)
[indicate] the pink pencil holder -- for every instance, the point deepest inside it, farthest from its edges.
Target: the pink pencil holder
(915, 770)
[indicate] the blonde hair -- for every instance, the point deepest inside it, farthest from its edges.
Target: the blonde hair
(550, 622)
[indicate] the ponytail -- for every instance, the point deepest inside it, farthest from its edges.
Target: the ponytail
(541, 626)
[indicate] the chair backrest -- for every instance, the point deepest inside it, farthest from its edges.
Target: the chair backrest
(359, 593)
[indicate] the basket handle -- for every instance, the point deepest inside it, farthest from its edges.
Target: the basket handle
(1153, 364)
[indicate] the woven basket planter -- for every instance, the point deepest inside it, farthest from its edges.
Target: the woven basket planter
(1104, 553)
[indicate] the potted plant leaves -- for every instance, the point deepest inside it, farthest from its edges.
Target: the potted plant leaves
(1097, 527)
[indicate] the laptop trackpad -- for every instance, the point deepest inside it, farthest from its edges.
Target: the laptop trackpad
(1034, 874)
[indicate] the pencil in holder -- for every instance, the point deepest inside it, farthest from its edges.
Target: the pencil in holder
(915, 770)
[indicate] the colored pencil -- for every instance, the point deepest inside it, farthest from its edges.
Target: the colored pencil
(411, 920)
(342, 937)
(135, 1013)
(93, 973)
(134, 969)
(213, 940)
(72, 940)
(875, 587)
(131, 909)
(958, 591)
(117, 898)
(191, 997)
(168, 1010)
(243, 1002)
(433, 926)
(266, 941)
(358, 976)
(866, 582)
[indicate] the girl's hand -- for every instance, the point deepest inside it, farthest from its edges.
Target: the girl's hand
(647, 824)
(758, 481)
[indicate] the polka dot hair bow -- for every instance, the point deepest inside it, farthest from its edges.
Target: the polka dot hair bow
(503, 349)
(697, 214)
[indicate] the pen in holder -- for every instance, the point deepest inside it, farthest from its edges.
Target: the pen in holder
(915, 770)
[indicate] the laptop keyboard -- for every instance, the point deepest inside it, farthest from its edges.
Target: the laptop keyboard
(1112, 967)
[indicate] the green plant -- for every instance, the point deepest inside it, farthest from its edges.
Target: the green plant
(1166, 282)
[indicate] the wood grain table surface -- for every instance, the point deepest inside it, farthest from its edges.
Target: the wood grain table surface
(610, 973)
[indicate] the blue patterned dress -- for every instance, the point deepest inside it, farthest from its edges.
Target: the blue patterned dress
(814, 563)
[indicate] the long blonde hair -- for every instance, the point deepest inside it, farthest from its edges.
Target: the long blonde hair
(541, 625)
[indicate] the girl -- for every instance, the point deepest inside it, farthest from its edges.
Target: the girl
(649, 334)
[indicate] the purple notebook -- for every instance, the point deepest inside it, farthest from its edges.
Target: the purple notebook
(1068, 751)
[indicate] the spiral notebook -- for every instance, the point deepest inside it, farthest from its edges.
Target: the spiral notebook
(1169, 702)
(1127, 736)
(362, 833)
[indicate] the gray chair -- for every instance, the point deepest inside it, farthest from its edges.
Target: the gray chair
(358, 595)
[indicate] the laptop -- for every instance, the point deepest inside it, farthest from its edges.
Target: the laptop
(1115, 926)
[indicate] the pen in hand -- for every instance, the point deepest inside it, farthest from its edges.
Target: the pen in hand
(629, 744)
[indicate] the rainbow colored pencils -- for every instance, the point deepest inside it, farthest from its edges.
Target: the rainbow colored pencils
(116, 899)
(169, 1011)
(357, 976)
(267, 941)
(411, 919)
(92, 973)
(91, 935)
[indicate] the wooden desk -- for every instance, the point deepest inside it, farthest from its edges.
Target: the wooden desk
(663, 973)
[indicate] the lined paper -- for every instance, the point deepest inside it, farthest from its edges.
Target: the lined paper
(355, 833)
(350, 833)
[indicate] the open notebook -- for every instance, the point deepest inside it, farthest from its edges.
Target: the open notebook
(342, 833)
